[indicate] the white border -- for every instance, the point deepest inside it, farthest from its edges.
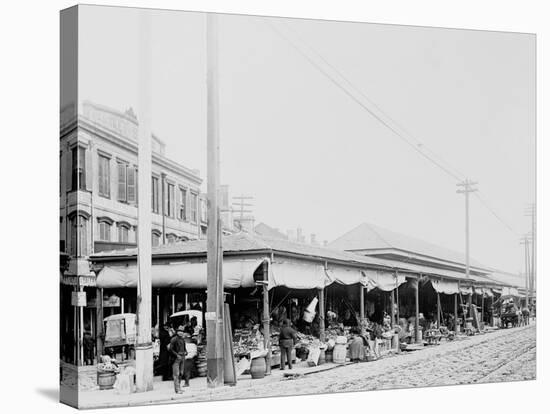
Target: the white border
(29, 99)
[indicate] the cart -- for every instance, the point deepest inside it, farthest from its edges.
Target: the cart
(120, 336)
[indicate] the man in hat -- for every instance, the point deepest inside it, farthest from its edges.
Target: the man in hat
(191, 348)
(178, 351)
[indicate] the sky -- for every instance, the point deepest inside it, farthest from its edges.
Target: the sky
(312, 156)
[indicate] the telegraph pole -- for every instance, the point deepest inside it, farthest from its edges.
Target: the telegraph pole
(242, 206)
(531, 212)
(466, 189)
(525, 241)
(144, 346)
(214, 316)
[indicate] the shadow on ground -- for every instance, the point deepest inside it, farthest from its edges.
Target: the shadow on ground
(51, 394)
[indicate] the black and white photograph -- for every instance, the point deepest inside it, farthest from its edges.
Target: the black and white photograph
(255, 206)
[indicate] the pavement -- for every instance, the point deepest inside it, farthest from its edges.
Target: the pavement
(501, 355)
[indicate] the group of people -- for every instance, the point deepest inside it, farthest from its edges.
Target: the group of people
(177, 354)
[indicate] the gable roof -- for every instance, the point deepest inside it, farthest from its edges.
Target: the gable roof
(367, 236)
(264, 230)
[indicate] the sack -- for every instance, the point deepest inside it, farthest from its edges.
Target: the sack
(313, 356)
(242, 366)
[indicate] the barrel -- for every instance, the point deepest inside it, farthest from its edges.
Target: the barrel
(257, 368)
(339, 354)
(328, 356)
(106, 380)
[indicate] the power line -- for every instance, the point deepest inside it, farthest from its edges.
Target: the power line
(417, 145)
(354, 98)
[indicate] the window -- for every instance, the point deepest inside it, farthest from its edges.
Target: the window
(155, 194)
(171, 238)
(123, 233)
(121, 167)
(183, 201)
(204, 210)
(104, 176)
(170, 200)
(131, 178)
(127, 183)
(79, 236)
(78, 168)
(193, 208)
(104, 231)
(155, 238)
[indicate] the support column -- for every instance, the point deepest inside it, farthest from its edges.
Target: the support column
(482, 305)
(266, 318)
(322, 315)
(438, 311)
(417, 311)
(99, 323)
(397, 302)
(361, 304)
(469, 310)
(456, 313)
(392, 306)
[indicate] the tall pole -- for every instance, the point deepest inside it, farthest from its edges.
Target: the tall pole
(466, 189)
(214, 322)
(144, 346)
(266, 317)
(525, 241)
(531, 211)
(417, 310)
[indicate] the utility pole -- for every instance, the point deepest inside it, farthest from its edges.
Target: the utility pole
(525, 241)
(531, 212)
(241, 204)
(144, 346)
(214, 316)
(466, 189)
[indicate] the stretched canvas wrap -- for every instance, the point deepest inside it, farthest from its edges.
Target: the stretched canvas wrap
(256, 206)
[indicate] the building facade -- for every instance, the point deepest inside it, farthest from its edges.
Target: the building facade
(98, 204)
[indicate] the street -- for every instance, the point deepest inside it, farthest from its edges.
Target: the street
(503, 355)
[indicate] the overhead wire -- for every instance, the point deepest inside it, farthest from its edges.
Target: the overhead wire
(397, 129)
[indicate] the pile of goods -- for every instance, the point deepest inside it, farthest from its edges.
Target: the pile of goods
(201, 360)
(107, 365)
(247, 340)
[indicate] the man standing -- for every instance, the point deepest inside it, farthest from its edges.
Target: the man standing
(191, 349)
(177, 349)
(287, 339)
(163, 367)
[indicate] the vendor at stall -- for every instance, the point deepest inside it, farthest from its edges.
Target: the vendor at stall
(349, 319)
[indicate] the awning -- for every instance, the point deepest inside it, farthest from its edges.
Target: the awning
(478, 290)
(346, 275)
(298, 275)
(383, 280)
(488, 292)
(447, 287)
(190, 275)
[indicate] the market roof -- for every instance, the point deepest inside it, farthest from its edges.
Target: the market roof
(244, 242)
(367, 236)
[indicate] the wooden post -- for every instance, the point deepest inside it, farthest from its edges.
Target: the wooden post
(392, 305)
(469, 304)
(266, 317)
(417, 311)
(214, 321)
(322, 315)
(456, 313)
(438, 311)
(397, 302)
(173, 304)
(144, 345)
(482, 305)
(99, 324)
(361, 304)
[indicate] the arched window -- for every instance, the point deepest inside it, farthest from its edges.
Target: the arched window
(79, 234)
(155, 238)
(171, 238)
(123, 231)
(104, 228)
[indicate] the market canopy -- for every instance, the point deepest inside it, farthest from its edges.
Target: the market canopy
(346, 275)
(447, 287)
(190, 275)
(384, 280)
(297, 275)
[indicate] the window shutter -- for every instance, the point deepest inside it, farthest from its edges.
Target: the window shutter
(88, 168)
(131, 185)
(121, 181)
(69, 170)
(188, 205)
(178, 202)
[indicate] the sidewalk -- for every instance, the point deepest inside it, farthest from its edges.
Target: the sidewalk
(163, 391)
